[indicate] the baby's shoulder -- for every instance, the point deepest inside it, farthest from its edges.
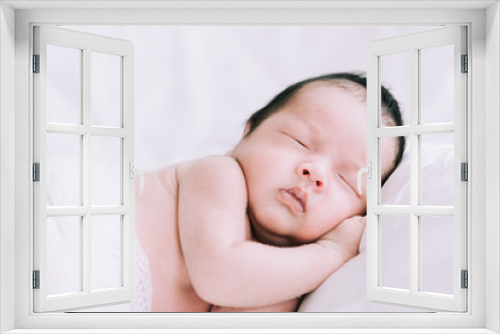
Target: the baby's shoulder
(214, 171)
(220, 165)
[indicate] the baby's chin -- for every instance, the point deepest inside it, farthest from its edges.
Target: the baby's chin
(267, 236)
(276, 238)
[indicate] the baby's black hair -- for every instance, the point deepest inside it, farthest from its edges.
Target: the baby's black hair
(391, 114)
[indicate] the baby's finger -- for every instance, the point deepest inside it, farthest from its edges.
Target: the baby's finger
(355, 220)
(360, 220)
(356, 224)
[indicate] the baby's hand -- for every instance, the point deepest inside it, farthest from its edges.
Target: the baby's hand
(345, 237)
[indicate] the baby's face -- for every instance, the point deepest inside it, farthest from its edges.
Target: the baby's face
(301, 163)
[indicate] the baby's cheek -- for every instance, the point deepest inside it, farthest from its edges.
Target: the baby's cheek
(354, 205)
(348, 210)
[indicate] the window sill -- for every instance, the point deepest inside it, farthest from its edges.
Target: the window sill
(248, 331)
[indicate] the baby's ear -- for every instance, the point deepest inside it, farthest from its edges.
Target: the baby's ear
(247, 129)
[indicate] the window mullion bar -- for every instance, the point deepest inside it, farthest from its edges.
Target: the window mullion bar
(67, 128)
(109, 132)
(81, 211)
(127, 155)
(85, 253)
(398, 131)
(392, 210)
(414, 168)
(85, 246)
(434, 211)
(375, 172)
(434, 128)
(83, 129)
(373, 198)
(111, 210)
(447, 211)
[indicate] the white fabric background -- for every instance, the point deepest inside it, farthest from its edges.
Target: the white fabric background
(195, 86)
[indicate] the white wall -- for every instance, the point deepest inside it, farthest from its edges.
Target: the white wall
(492, 186)
(23, 217)
(7, 92)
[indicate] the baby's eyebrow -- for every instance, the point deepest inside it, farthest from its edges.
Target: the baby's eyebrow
(310, 126)
(313, 127)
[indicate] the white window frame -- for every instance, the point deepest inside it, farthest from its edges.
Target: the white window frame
(124, 51)
(483, 21)
(413, 44)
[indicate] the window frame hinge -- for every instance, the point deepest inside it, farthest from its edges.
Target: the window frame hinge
(464, 64)
(464, 279)
(36, 279)
(464, 172)
(36, 63)
(36, 172)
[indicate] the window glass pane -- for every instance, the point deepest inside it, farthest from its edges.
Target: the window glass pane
(436, 84)
(105, 170)
(105, 89)
(396, 68)
(437, 167)
(64, 85)
(105, 247)
(436, 258)
(63, 169)
(396, 190)
(395, 252)
(63, 255)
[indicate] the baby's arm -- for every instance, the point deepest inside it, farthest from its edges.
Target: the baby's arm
(287, 306)
(225, 267)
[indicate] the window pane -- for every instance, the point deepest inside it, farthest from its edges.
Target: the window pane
(63, 255)
(64, 85)
(395, 252)
(396, 68)
(437, 166)
(105, 89)
(436, 258)
(105, 170)
(396, 190)
(436, 84)
(105, 249)
(63, 169)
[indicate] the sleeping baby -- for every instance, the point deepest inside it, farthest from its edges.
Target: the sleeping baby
(256, 229)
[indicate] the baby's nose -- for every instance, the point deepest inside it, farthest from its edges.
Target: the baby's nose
(314, 174)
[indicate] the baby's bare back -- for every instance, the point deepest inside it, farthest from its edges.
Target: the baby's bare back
(158, 233)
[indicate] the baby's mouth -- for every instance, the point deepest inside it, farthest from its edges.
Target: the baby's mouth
(295, 198)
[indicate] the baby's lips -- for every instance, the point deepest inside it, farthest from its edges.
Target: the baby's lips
(300, 194)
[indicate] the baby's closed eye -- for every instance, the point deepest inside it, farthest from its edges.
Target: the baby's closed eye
(298, 140)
